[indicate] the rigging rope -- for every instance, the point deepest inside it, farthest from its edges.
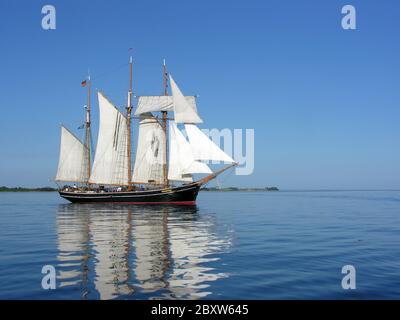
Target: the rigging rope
(225, 175)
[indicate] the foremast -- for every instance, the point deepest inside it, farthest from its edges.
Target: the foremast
(128, 117)
(164, 126)
(87, 129)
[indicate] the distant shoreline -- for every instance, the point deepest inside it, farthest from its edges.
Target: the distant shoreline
(23, 189)
(240, 189)
(212, 189)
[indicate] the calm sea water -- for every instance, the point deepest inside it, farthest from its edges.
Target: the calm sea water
(233, 245)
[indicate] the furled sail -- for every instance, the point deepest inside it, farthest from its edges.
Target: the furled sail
(184, 113)
(71, 164)
(110, 164)
(150, 152)
(203, 148)
(160, 103)
(181, 161)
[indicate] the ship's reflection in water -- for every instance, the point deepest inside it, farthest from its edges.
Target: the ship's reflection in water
(143, 252)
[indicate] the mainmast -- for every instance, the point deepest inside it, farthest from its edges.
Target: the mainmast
(129, 110)
(164, 126)
(87, 127)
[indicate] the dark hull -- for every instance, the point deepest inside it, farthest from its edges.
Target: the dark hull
(185, 195)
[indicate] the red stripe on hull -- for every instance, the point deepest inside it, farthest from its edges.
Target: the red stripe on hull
(184, 203)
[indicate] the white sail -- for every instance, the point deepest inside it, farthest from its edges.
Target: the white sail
(150, 152)
(181, 161)
(184, 113)
(71, 164)
(160, 103)
(110, 164)
(203, 148)
(188, 164)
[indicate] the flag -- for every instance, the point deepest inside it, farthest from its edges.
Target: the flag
(83, 83)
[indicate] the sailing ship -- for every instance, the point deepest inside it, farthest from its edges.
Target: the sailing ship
(165, 160)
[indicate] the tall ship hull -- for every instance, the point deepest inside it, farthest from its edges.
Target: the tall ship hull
(181, 195)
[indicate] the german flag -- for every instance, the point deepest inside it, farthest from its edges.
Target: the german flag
(83, 83)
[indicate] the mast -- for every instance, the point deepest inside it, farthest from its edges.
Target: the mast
(87, 133)
(129, 110)
(164, 126)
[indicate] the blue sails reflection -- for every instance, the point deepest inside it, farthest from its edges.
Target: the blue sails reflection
(137, 252)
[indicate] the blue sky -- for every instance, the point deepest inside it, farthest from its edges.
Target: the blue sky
(324, 102)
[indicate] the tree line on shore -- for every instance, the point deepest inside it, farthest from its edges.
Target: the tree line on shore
(49, 189)
(23, 189)
(240, 189)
